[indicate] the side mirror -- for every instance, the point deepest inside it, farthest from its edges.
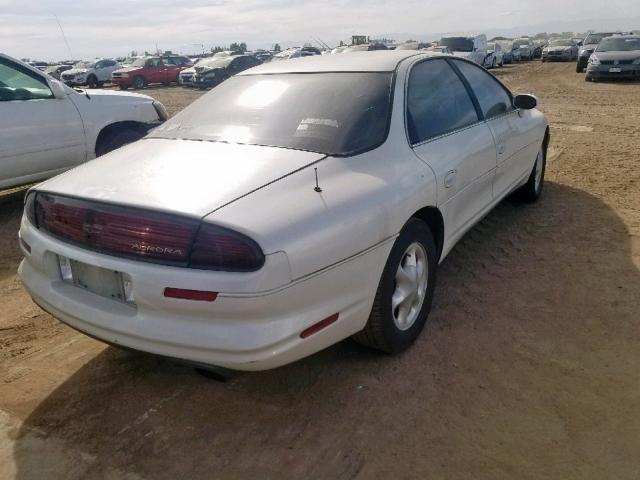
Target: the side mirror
(57, 89)
(525, 102)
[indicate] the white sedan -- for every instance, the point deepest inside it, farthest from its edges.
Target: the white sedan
(295, 205)
(47, 127)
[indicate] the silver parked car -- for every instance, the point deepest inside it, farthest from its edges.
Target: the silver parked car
(562, 50)
(615, 57)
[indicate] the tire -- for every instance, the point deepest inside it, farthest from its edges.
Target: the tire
(494, 64)
(390, 329)
(531, 191)
(92, 81)
(579, 69)
(138, 82)
(117, 138)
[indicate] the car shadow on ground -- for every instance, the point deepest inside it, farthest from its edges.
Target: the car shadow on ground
(525, 363)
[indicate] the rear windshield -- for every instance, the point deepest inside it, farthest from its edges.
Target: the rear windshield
(594, 38)
(560, 43)
(331, 113)
(458, 44)
(619, 44)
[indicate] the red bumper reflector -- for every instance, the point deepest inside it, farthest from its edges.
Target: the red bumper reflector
(316, 327)
(25, 245)
(197, 295)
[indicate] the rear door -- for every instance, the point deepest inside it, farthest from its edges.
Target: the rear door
(40, 135)
(173, 65)
(155, 71)
(446, 132)
(511, 131)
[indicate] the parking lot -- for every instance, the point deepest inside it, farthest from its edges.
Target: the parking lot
(529, 367)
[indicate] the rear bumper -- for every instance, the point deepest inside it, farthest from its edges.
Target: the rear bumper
(243, 331)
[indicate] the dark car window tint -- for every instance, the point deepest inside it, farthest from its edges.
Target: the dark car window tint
(331, 113)
(437, 101)
(493, 98)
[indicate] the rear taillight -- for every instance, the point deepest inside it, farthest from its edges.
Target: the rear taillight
(217, 248)
(29, 207)
(142, 234)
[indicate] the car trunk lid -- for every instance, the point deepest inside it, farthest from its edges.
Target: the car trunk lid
(186, 177)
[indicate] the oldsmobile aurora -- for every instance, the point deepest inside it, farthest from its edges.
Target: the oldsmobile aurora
(295, 205)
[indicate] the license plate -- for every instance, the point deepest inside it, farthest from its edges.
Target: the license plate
(100, 281)
(615, 70)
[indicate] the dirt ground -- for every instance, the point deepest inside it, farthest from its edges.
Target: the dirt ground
(529, 367)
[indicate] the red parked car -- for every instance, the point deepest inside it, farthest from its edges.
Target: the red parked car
(146, 70)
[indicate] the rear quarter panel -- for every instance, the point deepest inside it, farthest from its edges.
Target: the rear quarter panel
(365, 200)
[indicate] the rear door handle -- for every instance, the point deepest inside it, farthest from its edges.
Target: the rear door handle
(449, 178)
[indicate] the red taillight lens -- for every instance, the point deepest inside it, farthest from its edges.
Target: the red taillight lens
(118, 230)
(217, 248)
(143, 235)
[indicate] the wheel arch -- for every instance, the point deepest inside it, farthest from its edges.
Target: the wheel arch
(117, 126)
(434, 220)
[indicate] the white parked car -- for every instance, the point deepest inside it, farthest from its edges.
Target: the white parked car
(295, 205)
(471, 48)
(93, 74)
(47, 127)
(185, 77)
(495, 55)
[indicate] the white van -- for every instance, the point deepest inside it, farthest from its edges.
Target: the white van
(471, 48)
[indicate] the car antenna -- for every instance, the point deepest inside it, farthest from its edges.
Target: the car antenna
(317, 189)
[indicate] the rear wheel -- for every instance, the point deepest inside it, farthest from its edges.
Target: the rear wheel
(405, 292)
(531, 191)
(138, 82)
(92, 81)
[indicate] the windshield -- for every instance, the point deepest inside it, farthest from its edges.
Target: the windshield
(619, 44)
(458, 44)
(594, 38)
(560, 43)
(491, 46)
(215, 62)
(330, 113)
(84, 65)
(521, 43)
(139, 62)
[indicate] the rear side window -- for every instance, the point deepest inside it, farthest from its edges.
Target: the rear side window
(437, 101)
(493, 98)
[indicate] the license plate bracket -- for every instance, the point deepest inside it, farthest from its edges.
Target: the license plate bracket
(97, 280)
(615, 70)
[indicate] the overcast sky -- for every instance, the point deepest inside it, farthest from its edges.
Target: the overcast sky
(115, 27)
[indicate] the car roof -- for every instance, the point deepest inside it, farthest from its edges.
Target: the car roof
(374, 61)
